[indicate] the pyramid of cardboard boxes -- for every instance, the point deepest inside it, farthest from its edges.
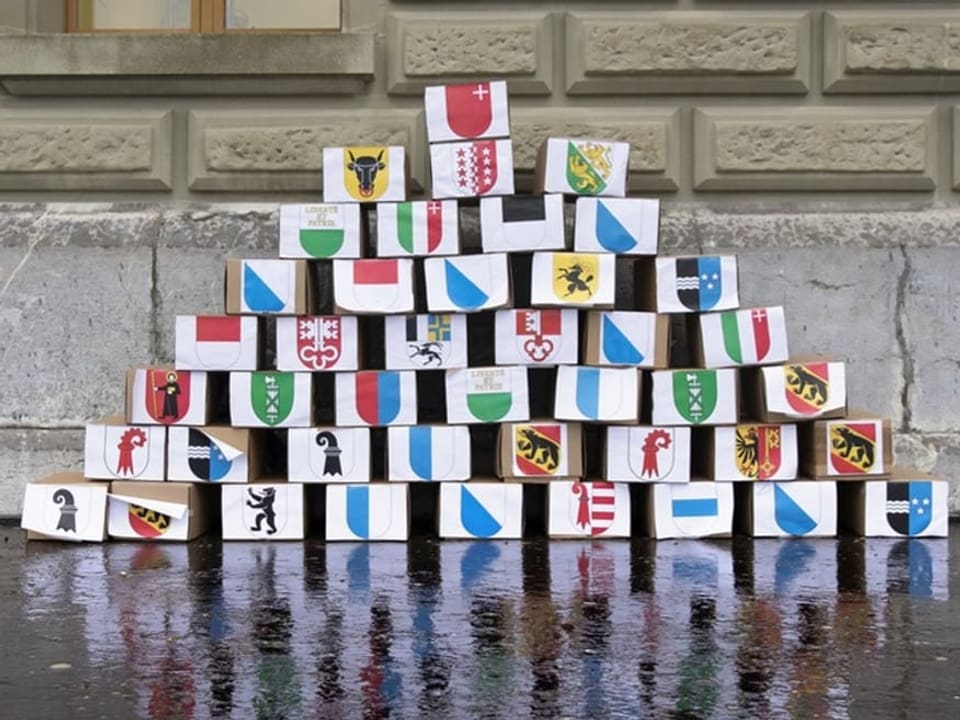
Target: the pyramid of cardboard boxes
(745, 437)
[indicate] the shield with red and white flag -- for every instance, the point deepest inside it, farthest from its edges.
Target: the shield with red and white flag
(466, 112)
(472, 169)
(595, 507)
(418, 228)
(536, 337)
(375, 285)
(318, 341)
(216, 342)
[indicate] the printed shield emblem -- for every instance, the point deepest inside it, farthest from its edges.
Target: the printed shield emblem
(319, 341)
(757, 451)
(792, 515)
(475, 517)
(595, 506)
(695, 394)
(853, 447)
(699, 282)
(271, 396)
(475, 171)
(432, 347)
(653, 458)
(366, 172)
(575, 277)
(489, 394)
(909, 506)
(537, 448)
(130, 446)
(378, 396)
(205, 457)
(534, 331)
(147, 523)
(264, 509)
(469, 108)
(331, 453)
(167, 395)
(807, 387)
(589, 167)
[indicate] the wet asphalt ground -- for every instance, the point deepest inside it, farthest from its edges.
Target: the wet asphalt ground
(752, 629)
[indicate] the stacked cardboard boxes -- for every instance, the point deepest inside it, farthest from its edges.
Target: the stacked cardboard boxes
(358, 365)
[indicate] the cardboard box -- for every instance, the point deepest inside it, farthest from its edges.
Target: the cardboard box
(376, 398)
(267, 287)
(632, 339)
(418, 229)
(481, 510)
(695, 397)
(580, 166)
(522, 223)
(466, 112)
(800, 508)
(573, 280)
(749, 451)
(647, 453)
(328, 455)
(213, 454)
(114, 450)
(65, 506)
(217, 342)
(803, 389)
(321, 231)
(596, 509)
(158, 511)
(625, 226)
(753, 336)
(487, 394)
(689, 510)
(373, 286)
(467, 283)
(376, 511)
(318, 342)
(595, 394)
(271, 399)
(471, 169)
(536, 337)
(858, 446)
(164, 396)
(424, 342)
(910, 504)
(541, 449)
(365, 174)
(263, 511)
(689, 284)
(428, 452)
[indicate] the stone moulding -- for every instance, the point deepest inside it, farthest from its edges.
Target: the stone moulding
(186, 64)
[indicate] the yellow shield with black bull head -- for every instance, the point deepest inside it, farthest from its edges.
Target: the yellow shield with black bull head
(366, 171)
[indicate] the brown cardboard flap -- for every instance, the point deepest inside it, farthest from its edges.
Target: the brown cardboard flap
(231, 286)
(540, 169)
(67, 477)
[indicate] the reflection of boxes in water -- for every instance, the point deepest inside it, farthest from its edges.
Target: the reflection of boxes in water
(374, 511)
(695, 509)
(418, 229)
(481, 510)
(271, 399)
(909, 504)
(573, 280)
(428, 452)
(647, 454)
(365, 174)
(594, 394)
(625, 226)
(522, 223)
(803, 389)
(688, 284)
(754, 336)
(217, 342)
(328, 454)
(595, 509)
(468, 111)
(164, 396)
(467, 283)
(471, 169)
(159, 511)
(321, 231)
(213, 454)
(634, 339)
(580, 166)
(857, 446)
(262, 511)
(376, 398)
(798, 508)
(317, 342)
(540, 449)
(114, 450)
(748, 451)
(373, 286)
(695, 397)
(537, 337)
(65, 506)
(425, 342)
(487, 394)
(267, 287)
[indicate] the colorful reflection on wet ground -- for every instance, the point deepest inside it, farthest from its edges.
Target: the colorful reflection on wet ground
(642, 629)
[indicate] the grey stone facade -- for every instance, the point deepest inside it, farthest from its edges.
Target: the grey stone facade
(820, 143)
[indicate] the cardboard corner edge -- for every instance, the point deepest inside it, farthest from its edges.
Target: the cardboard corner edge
(540, 168)
(231, 286)
(131, 375)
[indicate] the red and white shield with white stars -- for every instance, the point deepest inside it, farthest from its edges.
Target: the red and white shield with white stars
(476, 167)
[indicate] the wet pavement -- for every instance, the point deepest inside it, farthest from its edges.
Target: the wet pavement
(746, 629)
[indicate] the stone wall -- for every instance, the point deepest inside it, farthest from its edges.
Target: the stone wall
(819, 141)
